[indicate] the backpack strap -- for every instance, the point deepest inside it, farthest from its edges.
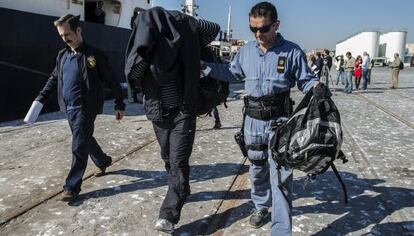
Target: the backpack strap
(280, 184)
(288, 105)
(340, 181)
(244, 119)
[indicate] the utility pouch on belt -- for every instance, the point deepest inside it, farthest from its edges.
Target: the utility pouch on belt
(268, 107)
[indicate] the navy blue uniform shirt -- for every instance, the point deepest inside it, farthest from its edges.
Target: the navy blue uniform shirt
(72, 84)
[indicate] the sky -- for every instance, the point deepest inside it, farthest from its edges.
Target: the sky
(312, 23)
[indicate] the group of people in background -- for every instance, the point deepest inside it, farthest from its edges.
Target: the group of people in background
(319, 60)
(348, 67)
(359, 68)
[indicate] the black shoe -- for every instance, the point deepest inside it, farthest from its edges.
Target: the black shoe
(258, 218)
(217, 125)
(68, 196)
(102, 170)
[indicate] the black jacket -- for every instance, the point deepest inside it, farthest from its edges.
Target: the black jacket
(319, 65)
(164, 45)
(95, 73)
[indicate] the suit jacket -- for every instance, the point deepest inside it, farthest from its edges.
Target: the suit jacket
(95, 73)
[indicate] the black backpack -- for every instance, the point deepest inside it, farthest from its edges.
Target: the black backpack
(311, 139)
(212, 92)
(401, 66)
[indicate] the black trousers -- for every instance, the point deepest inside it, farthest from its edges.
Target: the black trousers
(216, 114)
(83, 144)
(357, 82)
(176, 137)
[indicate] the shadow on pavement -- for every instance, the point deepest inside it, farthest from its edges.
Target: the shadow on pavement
(380, 229)
(227, 218)
(369, 204)
(154, 179)
(215, 195)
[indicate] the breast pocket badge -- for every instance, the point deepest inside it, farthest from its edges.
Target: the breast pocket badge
(281, 65)
(91, 62)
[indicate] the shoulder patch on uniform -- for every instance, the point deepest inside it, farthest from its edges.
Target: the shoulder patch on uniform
(281, 64)
(91, 61)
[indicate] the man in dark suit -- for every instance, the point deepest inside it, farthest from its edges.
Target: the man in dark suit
(79, 76)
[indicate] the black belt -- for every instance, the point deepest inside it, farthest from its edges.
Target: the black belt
(266, 107)
(258, 162)
(265, 113)
(267, 100)
(257, 147)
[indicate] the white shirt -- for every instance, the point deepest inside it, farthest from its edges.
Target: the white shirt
(365, 62)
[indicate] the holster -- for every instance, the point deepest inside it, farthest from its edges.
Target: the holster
(239, 137)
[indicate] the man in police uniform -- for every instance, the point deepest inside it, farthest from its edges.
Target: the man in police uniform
(78, 77)
(270, 66)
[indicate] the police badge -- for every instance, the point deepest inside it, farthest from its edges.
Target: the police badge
(281, 65)
(91, 61)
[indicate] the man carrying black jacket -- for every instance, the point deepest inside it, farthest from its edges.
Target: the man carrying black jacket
(78, 77)
(163, 60)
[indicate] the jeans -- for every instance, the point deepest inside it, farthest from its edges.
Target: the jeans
(365, 78)
(83, 144)
(340, 76)
(265, 193)
(175, 135)
(348, 83)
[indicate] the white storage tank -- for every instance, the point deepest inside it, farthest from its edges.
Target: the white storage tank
(392, 42)
(366, 41)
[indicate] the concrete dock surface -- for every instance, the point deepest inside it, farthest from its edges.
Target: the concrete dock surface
(378, 126)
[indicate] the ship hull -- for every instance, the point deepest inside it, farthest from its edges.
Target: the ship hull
(28, 48)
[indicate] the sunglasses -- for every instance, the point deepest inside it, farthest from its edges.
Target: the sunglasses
(263, 29)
